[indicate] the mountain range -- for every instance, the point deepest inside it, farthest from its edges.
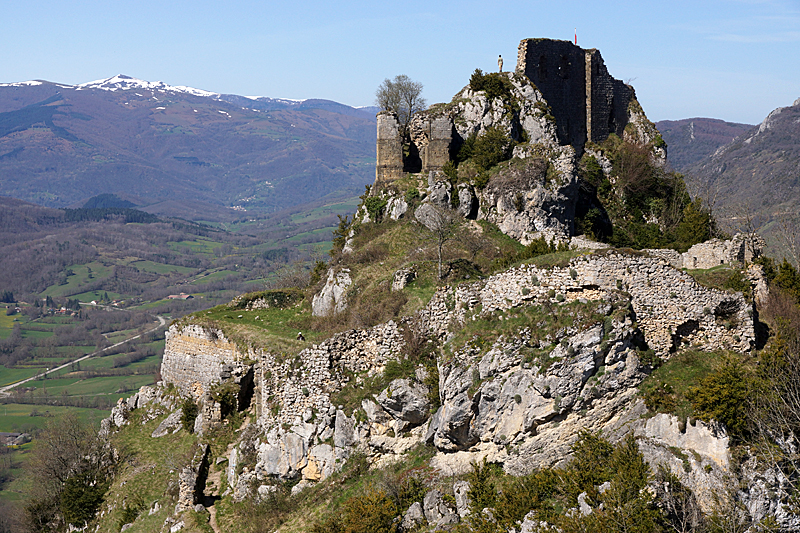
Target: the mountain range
(692, 139)
(759, 171)
(179, 151)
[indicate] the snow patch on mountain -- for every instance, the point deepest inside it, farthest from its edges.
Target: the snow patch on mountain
(21, 84)
(121, 82)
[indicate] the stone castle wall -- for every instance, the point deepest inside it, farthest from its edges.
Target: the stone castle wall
(433, 136)
(586, 101)
(291, 388)
(672, 309)
(558, 69)
(389, 151)
(197, 358)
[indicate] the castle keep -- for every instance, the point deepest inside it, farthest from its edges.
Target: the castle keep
(586, 101)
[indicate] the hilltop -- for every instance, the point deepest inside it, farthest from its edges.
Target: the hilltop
(525, 325)
(693, 139)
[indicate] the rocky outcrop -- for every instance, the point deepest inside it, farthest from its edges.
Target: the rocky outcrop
(534, 197)
(332, 299)
(523, 115)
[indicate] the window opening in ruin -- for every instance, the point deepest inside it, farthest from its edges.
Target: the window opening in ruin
(542, 67)
(412, 162)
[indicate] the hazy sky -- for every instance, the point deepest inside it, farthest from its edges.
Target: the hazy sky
(730, 59)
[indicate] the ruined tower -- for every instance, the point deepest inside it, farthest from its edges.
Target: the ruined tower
(586, 101)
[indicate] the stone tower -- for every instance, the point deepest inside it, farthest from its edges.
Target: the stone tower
(586, 101)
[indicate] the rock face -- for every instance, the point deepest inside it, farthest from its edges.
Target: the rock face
(405, 400)
(534, 198)
(332, 298)
(534, 395)
(476, 113)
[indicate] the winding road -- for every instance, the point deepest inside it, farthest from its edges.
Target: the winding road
(4, 390)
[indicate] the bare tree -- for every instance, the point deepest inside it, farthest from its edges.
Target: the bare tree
(442, 222)
(401, 95)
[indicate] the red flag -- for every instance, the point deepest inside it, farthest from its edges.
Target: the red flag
(576, 35)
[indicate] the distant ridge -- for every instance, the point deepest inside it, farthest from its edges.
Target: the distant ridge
(175, 150)
(691, 139)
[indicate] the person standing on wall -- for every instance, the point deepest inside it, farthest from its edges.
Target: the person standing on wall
(500, 63)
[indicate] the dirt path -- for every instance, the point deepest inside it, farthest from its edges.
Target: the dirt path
(214, 488)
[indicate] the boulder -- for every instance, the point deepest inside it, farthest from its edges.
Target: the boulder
(403, 277)
(171, 424)
(436, 510)
(396, 207)
(467, 203)
(332, 299)
(413, 517)
(461, 492)
(405, 400)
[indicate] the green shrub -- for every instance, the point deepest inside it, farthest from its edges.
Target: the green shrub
(723, 396)
(494, 84)
(369, 512)
(131, 510)
(413, 193)
(375, 206)
(482, 491)
(189, 412)
(491, 148)
(81, 497)
(450, 171)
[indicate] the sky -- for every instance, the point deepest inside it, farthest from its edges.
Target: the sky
(735, 60)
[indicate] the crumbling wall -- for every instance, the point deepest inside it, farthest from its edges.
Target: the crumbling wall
(671, 308)
(741, 249)
(295, 386)
(586, 101)
(389, 165)
(432, 135)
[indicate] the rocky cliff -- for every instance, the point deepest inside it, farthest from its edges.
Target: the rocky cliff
(523, 343)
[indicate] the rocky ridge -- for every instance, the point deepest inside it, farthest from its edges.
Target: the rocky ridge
(524, 361)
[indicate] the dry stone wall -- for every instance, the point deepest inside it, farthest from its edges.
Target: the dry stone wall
(291, 390)
(671, 308)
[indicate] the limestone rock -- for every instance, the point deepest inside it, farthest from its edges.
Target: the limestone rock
(396, 207)
(119, 413)
(477, 113)
(436, 510)
(332, 298)
(403, 277)
(439, 194)
(413, 517)
(427, 215)
(405, 400)
(461, 492)
(525, 203)
(583, 507)
(709, 440)
(467, 202)
(321, 463)
(170, 424)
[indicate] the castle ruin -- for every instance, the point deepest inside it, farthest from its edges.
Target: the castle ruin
(585, 101)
